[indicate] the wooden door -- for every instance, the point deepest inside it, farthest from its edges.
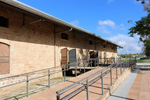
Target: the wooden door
(64, 57)
(92, 54)
(4, 58)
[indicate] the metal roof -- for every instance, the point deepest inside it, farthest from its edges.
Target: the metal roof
(37, 12)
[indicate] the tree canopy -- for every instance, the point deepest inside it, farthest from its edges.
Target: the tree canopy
(142, 28)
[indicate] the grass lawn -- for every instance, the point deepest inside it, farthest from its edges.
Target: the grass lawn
(139, 60)
(144, 60)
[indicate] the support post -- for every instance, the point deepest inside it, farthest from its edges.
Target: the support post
(91, 62)
(64, 73)
(27, 81)
(94, 62)
(111, 76)
(121, 67)
(58, 97)
(116, 72)
(87, 89)
(102, 82)
(84, 66)
(49, 79)
(76, 69)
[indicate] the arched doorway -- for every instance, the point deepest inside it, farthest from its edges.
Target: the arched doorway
(4, 58)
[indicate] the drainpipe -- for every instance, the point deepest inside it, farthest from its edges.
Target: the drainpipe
(54, 45)
(55, 41)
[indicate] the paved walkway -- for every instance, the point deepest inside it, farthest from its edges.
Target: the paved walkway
(94, 89)
(140, 89)
(135, 87)
(122, 91)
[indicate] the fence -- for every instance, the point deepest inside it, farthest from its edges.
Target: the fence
(27, 77)
(86, 82)
(136, 59)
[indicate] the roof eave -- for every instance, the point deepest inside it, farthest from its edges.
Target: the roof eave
(50, 17)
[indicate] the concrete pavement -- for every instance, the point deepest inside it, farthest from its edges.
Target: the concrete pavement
(128, 87)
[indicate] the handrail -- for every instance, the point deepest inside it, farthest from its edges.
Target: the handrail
(27, 79)
(88, 77)
(100, 72)
(49, 73)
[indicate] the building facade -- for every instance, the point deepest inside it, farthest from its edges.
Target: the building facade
(30, 42)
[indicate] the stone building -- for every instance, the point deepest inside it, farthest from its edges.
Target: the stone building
(32, 40)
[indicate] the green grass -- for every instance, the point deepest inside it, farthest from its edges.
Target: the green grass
(139, 60)
(144, 60)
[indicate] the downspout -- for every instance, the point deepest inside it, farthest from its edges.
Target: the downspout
(55, 41)
(54, 45)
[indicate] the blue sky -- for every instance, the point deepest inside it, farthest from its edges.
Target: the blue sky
(106, 18)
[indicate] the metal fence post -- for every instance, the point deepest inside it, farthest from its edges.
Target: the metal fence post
(27, 81)
(49, 78)
(107, 61)
(102, 82)
(58, 96)
(87, 89)
(84, 66)
(64, 73)
(94, 62)
(110, 75)
(116, 72)
(121, 67)
(76, 69)
(80, 65)
(91, 62)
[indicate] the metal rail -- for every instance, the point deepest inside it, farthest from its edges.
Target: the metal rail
(27, 79)
(85, 82)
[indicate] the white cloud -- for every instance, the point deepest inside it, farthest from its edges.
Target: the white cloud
(75, 22)
(103, 29)
(130, 44)
(107, 23)
(109, 26)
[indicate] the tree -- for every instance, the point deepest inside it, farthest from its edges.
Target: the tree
(147, 47)
(146, 4)
(142, 28)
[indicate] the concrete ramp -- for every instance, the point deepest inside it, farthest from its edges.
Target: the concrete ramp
(94, 90)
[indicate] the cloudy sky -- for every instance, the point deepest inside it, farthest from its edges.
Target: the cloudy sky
(106, 18)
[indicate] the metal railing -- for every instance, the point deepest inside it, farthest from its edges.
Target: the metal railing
(87, 81)
(107, 60)
(27, 76)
